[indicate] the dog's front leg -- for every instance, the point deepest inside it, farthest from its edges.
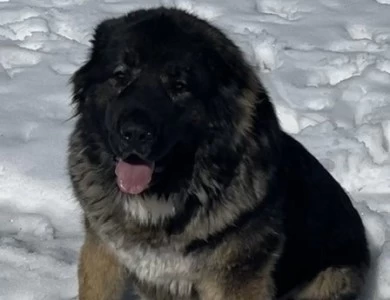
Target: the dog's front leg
(101, 277)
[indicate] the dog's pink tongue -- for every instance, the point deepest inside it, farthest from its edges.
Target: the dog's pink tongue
(133, 178)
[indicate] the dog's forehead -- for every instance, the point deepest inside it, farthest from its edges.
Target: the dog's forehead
(170, 60)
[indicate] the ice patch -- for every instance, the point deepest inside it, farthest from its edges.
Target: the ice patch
(27, 27)
(25, 224)
(383, 1)
(288, 119)
(383, 65)
(266, 50)
(285, 9)
(64, 68)
(372, 137)
(10, 15)
(359, 32)
(13, 56)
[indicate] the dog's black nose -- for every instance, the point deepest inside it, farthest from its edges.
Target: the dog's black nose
(135, 133)
(137, 138)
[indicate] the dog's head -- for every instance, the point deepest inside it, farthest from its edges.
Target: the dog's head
(160, 87)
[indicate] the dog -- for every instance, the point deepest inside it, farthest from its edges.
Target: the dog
(189, 187)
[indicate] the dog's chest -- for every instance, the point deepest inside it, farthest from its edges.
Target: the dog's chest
(161, 266)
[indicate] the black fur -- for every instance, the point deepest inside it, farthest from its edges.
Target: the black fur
(211, 118)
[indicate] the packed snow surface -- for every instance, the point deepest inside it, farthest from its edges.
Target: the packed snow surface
(326, 64)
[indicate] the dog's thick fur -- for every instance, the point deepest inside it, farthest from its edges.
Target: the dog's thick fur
(239, 209)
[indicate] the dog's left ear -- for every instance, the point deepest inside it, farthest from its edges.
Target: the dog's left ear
(78, 80)
(89, 72)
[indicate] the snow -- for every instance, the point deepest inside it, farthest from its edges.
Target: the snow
(326, 64)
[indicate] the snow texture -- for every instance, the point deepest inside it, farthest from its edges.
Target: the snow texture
(326, 64)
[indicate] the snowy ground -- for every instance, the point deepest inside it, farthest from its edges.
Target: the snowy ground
(325, 62)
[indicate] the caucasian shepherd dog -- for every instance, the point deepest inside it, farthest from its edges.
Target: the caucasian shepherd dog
(189, 187)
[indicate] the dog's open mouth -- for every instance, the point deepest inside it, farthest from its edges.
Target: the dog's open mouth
(134, 174)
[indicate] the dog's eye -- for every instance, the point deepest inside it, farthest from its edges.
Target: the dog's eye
(179, 87)
(119, 74)
(120, 77)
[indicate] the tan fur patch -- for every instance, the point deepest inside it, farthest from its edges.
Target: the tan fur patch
(210, 289)
(223, 284)
(248, 102)
(100, 275)
(332, 284)
(261, 287)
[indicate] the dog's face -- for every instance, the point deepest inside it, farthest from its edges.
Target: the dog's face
(154, 91)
